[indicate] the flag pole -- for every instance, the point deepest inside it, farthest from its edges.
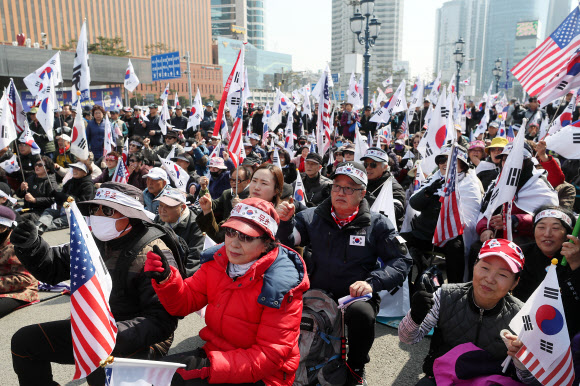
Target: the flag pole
(20, 161)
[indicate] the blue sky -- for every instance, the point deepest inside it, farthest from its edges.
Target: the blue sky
(302, 28)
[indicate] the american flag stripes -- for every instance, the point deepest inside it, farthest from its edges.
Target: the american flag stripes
(93, 326)
(561, 375)
(450, 224)
(235, 148)
(16, 109)
(536, 69)
(121, 173)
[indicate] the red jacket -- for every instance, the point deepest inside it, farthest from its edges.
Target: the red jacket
(253, 322)
(555, 175)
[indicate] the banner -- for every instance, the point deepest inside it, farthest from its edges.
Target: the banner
(103, 97)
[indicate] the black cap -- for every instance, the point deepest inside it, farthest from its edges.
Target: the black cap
(183, 157)
(171, 134)
(368, 108)
(153, 106)
(178, 107)
(287, 191)
(251, 161)
(314, 157)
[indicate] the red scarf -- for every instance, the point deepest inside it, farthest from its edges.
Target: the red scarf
(301, 166)
(62, 151)
(343, 222)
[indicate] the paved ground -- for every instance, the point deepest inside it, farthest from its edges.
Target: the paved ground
(392, 363)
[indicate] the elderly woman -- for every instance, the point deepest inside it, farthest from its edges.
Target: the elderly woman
(37, 189)
(552, 239)
(252, 325)
(476, 153)
(111, 161)
(96, 131)
(472, 312)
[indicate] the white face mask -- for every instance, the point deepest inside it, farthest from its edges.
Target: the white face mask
(104, 228)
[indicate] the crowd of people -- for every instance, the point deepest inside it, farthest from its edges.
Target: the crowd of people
(272, 245)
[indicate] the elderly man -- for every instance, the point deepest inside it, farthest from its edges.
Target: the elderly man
(219, 177)
(317, 187)
(347, 241)
(152, 129)
(157, 180)
(145, 328)
(179, 121)
(174, 213)
(255, 140)
(376, 163)
(170, 142)
(240, 180)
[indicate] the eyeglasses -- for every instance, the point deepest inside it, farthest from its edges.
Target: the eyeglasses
(239, 181)
(371, 165)
(39, 164)
(133, 161)
(345, 189)
(107, 211)
(242, 237)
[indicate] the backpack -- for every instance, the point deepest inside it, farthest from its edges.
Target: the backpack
(321, 333)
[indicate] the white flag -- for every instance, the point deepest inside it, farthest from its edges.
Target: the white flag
(7, 127)
(565, 142)
(131, 80)
(396, 104)
(299, 189)
(434, 94)
(176, 100)
(196, 115)
(236, 91)
(247, 92)
(165, 93)
(388, 81)
(467, 81)
(451, 85)
(81, 78)
(47, 104)
(276, 158)
(208, 242)
(176, 173)
(49, 70)
(109, 144)
(27, 138)
(354, 93)
(288, 131)
(434, 139)
(10, 165)
(78, 146)
(139, 372)
(416, 94)
(118, 104)
(164, 116)
(384, 203)
(360, 145)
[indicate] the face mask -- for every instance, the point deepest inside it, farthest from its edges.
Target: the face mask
(398, 147)
(214, 175)
(339, 144)
(104, 228)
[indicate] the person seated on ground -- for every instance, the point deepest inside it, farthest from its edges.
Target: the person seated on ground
(552, 232)
(111, 161)
(219, 177)
(79, 188)
(37, 189)
(174, 213)
(255, 140)
(249, 150)
(346, 241)
(376, 163)
(252, 327)
(473, 312)
(239, 182)
(348, 152)
(17, 286)
(63, 155)
(145, 329)
(63, 171)
(338, 158)
(157, 181)
(427, 202)
(288, 168)
(253, 163)
(184, 161)
(137, 169)
(316, 186)
(488, 169)
(266, 183)
(26, 160)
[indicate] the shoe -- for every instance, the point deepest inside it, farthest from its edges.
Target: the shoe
(356, 377)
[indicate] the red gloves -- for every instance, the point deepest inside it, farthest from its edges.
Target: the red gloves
(156, 265)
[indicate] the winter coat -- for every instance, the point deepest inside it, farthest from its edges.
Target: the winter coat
(153, 124)
(141, 319)
(179, 123)
(257, 124)
(216, 187)
(80, 189)
(15, 280)
(342, 256)
(136, 178)
(344, 123)
(46, 145)
(222, 207)
(487, 171)
(317, 189)
(40, 188)
(290, 173)
(96, 137)
(252, 322)
(534, 273)
(374, 189)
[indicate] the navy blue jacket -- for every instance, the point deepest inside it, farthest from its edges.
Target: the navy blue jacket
(367, 249)
(217, 186)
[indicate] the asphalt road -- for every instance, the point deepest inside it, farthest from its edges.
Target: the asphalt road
(392, 363)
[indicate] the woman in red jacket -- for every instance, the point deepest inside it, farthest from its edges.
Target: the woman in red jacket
(253, 288)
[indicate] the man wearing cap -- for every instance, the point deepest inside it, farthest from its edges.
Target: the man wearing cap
(25, 159)
(174, 213)
(492, 130)
(151, 127)
(255, 140)
(80, 188)
(157, 180)
(347, 240)
(179, 121)
(316, 186)
(119, 224)
(257, 124)
(376, 163)
(249, 150)
(170, 140)
(219, 177)
(488, 169)
(208, 119)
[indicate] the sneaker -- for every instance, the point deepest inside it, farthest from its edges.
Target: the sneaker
(356, 377)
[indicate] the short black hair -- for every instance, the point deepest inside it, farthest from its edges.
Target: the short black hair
(138, 156)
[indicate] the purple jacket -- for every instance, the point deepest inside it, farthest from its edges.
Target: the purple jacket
(345, 123)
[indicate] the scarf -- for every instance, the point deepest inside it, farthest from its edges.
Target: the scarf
(62, 151)
(301, 166)
(343, 222)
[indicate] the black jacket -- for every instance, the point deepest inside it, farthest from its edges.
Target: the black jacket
(429, 205)
(317, 189)
(40, 188)
(179, 122)
(81, 189)
(374, 189)
(222, 206)
(153, 124)
(141, 319)
(257, 124)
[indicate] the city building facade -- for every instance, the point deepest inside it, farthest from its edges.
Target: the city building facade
(239, 19)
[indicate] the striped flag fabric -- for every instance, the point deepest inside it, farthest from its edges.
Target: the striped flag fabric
(16, 109)
(93, 327)
(121, 173)
(235, 145)
(548, 58)
(561, 375)
(449, 224)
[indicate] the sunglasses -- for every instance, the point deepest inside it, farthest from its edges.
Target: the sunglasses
(239, 181)
(107, 211)
(371, 165)
(242, 237)
(39, 164)
(133, 161)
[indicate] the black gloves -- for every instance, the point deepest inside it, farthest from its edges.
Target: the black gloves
(434, 187)
(156, 265)
(421, 304)
(196, 368)
(24, 235)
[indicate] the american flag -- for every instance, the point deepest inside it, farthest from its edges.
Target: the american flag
(404, 126)
(562, 375)
(324, 115)
(235, 148)
(93, 326)
(15, 104)
(121, 173)
(449, 224)
(510, 134)
(536, 69)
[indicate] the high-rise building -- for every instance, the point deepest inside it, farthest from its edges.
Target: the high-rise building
(387, 49)
(239, 19)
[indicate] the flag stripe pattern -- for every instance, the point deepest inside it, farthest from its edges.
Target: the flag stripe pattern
(449, 224)
(235, 144)
(560, 375)
(121, 173)
(536, 69)
(93, 327)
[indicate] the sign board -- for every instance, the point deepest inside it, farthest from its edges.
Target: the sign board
(509, 84)
(335, 77)
(342, 96)
(527, 28)
(103, 97)
(166, 66)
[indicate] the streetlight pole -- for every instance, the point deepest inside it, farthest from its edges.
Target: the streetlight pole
(188, 72)
(459, 57)
(497, 71)
(371, 30)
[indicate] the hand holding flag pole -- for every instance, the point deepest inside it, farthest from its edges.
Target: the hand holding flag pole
(575, 233)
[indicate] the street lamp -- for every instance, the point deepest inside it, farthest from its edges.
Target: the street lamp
(497, 70)
(372, 27)
(459, 57)
(188, 72)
